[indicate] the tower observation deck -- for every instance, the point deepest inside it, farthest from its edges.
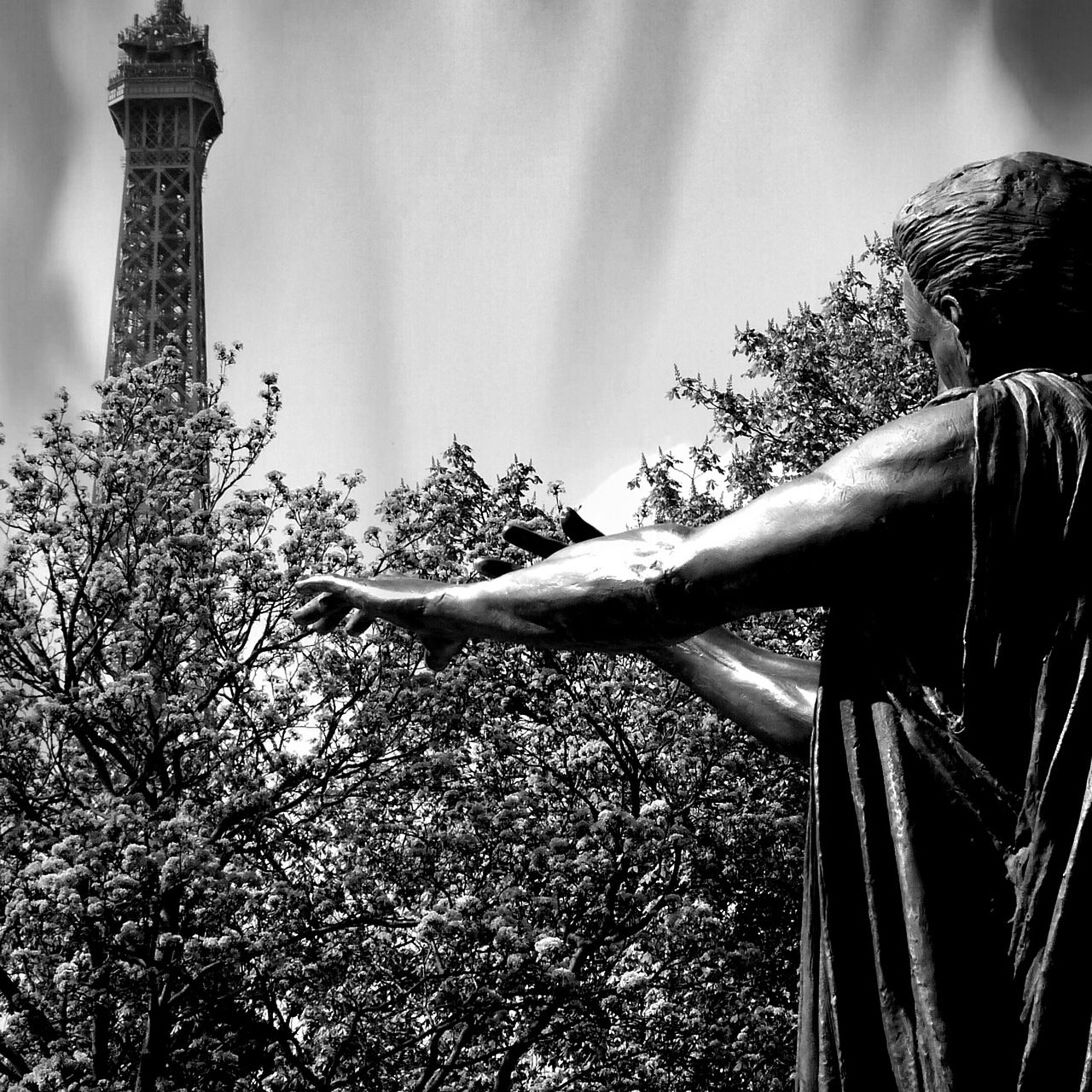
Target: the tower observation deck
(166, 107)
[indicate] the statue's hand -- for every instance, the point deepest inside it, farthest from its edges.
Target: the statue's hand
(521, 536)
(400, 600)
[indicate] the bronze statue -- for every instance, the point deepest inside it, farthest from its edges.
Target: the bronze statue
(946, 934)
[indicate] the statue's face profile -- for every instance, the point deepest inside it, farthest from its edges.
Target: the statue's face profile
(939, 334)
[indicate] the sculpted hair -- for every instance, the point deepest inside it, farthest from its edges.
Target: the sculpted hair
(1011, 240)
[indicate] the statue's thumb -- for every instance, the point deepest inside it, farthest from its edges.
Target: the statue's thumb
(576, 528)
(440, 652)
(492, 567)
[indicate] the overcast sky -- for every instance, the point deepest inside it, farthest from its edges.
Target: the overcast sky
(507, 219)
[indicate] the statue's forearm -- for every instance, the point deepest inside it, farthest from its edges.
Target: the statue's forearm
(647, 588)
(599, 594)
(770, 696)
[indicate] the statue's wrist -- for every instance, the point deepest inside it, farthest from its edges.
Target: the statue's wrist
(672, 601)
(444, 609)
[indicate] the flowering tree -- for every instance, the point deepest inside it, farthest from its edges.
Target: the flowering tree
(558, 872)
(145, 654)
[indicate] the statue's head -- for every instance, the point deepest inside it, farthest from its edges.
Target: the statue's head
(999, 266)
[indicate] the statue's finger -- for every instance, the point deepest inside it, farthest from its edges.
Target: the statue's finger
(576, 528)
(320, 584)
(336, 610)
(439, 652)
(520, 535)
(491, 567)
(313, 611)
(358, 622)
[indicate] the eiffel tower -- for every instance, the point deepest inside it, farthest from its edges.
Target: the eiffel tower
(167, 109)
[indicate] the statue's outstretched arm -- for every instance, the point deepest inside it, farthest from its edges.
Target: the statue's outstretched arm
(768, 695)
(771, 696)
(898, 494)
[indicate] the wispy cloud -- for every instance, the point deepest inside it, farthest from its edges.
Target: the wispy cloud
(1045, 49)
(626, 195)
(37, 326)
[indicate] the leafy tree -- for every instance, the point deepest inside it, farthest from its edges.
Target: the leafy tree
(235, 857)
(827, 374)
(555, 870)
(823, 377)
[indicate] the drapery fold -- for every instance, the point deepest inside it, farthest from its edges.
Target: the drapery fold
(946, 936)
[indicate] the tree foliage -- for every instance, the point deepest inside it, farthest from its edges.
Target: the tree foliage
(145, 662)
(826, 376)
(234, 857)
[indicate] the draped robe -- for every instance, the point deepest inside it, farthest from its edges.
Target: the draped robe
(947, 924)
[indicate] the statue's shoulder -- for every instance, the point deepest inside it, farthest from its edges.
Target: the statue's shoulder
(952, 394)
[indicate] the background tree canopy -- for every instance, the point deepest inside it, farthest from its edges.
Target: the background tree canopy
(232, 857)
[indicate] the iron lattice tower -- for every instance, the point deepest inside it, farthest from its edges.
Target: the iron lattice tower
(166, 107)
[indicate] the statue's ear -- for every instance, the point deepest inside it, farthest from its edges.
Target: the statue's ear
(951, 310)
(964, 373)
